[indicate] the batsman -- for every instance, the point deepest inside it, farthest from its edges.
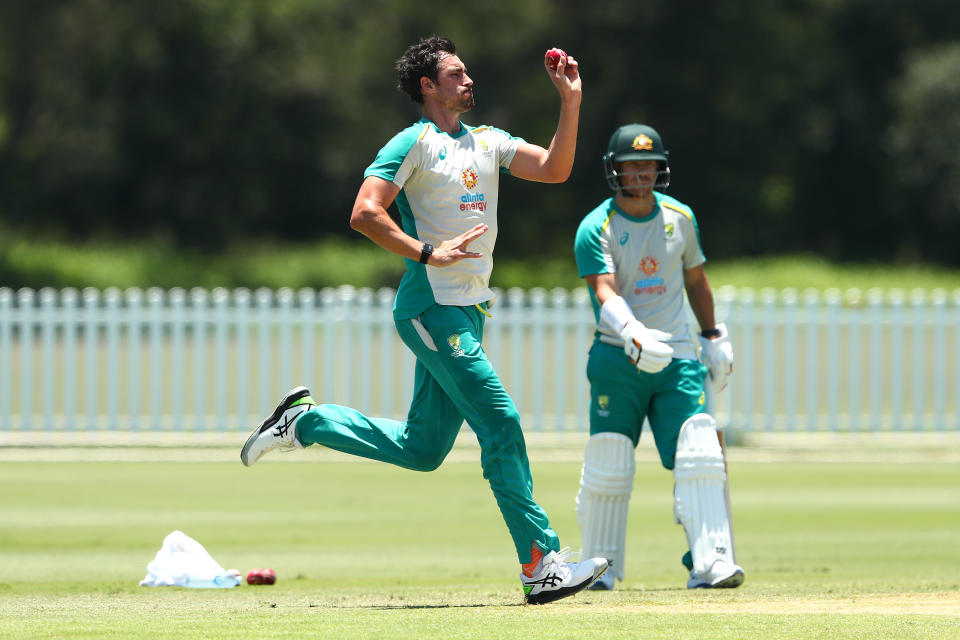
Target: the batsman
(639, 251)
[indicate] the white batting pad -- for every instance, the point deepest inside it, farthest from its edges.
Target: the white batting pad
(699, 501)
(604, 499)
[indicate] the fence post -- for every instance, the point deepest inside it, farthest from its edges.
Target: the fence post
(768, 298)
(6, 357)
(346, 299)
(790, 298)
(584, 326)
(111, 298)
(561, 369)
(811, 300)
(91, 334)
(939, 299)
(48, 301)
(25, 302)
(221, 300)
(155, 367)
(134, 324)
(364, 313)
(263, 298)
(327, 315)
(877, 353)
(284, 315)
(896, 349)
(199, 298)
(178, 305)
(918, 304)
(854, 303)
(307, 299)
(241, 313)
(956, 358)
(747, 314)
(534, 359)
(70, 299)
(388, 366)
(516, 295)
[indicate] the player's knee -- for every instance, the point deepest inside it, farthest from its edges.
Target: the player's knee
(431, 462)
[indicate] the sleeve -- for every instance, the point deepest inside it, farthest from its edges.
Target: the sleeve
(692, 252)
(506, 149)
(398, 158)
(592, 249)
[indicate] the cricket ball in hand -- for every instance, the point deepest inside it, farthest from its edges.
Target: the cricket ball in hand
(255, 576)
(268, 576)
(554, 56)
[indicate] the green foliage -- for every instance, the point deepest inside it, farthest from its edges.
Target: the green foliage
(801, 272)
(330, 262)
(793, 127)
(334, 261)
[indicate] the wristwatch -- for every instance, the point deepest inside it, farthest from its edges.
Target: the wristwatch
(427, 251)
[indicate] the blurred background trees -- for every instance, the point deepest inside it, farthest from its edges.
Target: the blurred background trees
(819, 126)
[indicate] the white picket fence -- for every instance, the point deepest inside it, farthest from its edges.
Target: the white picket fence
(208, 361)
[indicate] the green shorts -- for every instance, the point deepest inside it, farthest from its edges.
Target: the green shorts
(622, 397)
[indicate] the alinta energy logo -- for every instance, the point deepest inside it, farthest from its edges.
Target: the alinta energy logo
(471, 201)
(651, 284)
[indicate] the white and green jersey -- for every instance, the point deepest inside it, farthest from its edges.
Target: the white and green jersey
(648, 256)
(448, 184)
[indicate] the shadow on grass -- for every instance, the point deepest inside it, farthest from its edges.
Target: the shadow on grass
(390, 607)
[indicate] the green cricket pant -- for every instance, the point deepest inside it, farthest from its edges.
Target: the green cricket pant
(453, 382)
(621, 397)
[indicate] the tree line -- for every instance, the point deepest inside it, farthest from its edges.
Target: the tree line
(822, 126)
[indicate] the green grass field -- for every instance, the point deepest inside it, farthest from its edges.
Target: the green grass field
(864, 549)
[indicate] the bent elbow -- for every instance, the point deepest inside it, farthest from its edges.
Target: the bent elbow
(557, 170)
(359, 219)
(556, 176)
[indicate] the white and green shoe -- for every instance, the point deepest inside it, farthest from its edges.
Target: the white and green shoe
(555, 578)
(278, 431)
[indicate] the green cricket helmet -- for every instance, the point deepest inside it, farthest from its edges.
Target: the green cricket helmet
(636, 142)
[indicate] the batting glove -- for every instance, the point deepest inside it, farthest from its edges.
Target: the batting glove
(717, 356)
(645, 347)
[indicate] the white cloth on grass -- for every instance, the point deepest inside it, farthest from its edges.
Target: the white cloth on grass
(183, 562)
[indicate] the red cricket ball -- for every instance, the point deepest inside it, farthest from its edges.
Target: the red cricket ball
(268, 576)
(555, 55)
(255, 576)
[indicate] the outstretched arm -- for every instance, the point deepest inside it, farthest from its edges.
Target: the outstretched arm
(532, 162)
(370, 217)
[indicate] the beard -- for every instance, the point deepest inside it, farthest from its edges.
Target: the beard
(467, 101)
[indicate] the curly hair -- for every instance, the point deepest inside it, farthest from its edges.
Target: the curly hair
(421, 60)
